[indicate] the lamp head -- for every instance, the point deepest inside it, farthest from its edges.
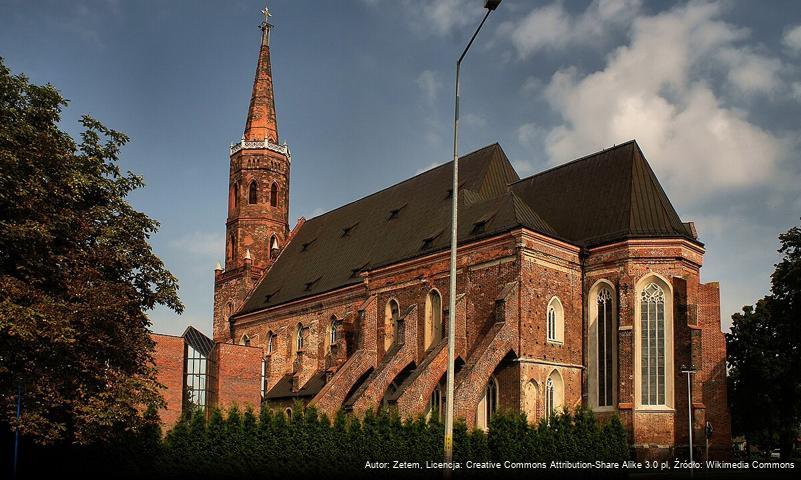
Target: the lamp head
(492, 4)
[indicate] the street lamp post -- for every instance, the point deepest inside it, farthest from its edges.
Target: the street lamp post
(490, 5)
(689, 371)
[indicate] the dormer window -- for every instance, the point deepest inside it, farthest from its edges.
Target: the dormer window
(428, 242)
(395, 212)
(480, 226)
(309, 285)
(354, 272)
(270, 295)
(305, 247)
(347, 230)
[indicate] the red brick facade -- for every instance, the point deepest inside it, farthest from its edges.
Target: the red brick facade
(233, 376)
(168, 357)
(505, 285)
(526, 319)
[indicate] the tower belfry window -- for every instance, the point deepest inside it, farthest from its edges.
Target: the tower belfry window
(253, 193)
(274, 195)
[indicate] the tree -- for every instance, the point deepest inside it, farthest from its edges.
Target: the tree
(764, 357)
(77, 275)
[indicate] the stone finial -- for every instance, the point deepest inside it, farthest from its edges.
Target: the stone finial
(218, 268)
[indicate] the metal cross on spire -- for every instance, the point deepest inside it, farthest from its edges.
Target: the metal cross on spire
(265, 25)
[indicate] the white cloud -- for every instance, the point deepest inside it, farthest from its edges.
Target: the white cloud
(200, 243)
(531, 135)
(750, 72)
(648, 91)
(438, 17)
(524, 168)
(792, 38)
(552, 26)
(427, 167)
(795, 90)
(430, 84)
(474, 120)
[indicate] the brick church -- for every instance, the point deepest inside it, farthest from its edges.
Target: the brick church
(579, 285)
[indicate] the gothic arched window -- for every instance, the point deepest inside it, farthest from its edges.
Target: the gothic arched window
(488, 404)
(555, 321)
(273, 247)
(253, 193)
(265, 363)
(391, 316)
(554, 394)
(433, 319)
(270, 342)
(605, 334)
(652, 345)
(274, 195)
(299, 338)
(236, 194)
(549, 400)
(333, 333)
(435, 403)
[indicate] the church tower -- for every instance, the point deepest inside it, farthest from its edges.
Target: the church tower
(258, 198)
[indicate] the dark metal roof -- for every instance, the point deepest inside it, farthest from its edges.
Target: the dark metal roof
(329, 250)
(603, 197)
(607, 196)
(197, 340)
(283, 388)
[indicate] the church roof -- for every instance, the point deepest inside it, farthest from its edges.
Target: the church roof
(606, 196)
(610, 195)
(406, 220)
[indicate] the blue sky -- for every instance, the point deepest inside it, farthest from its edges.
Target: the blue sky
(711, 91)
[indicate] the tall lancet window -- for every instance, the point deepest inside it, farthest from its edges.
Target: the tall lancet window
(652, 345)
(252, 193)
(605, 347)
(274, 195)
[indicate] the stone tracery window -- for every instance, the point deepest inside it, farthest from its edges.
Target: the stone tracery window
(333, 333)
(652, 345)
(488, 404)
(299, 338)
(605, 346)
(554, 394)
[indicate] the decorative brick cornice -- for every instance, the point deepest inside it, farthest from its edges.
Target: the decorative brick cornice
(261, 145)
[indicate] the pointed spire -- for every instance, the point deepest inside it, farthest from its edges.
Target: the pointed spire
(261, 122)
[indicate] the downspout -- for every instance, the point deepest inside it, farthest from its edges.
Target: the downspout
(583, 254)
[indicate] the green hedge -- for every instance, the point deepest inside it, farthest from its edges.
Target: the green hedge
(242, 444)
(268, 444)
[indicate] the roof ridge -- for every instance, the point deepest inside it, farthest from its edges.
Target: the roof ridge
(663, 201)
(461, 157)
(585, 157)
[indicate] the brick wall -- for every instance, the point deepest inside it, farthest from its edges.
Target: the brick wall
(237, 370)
(713, 371)
(168, 357)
